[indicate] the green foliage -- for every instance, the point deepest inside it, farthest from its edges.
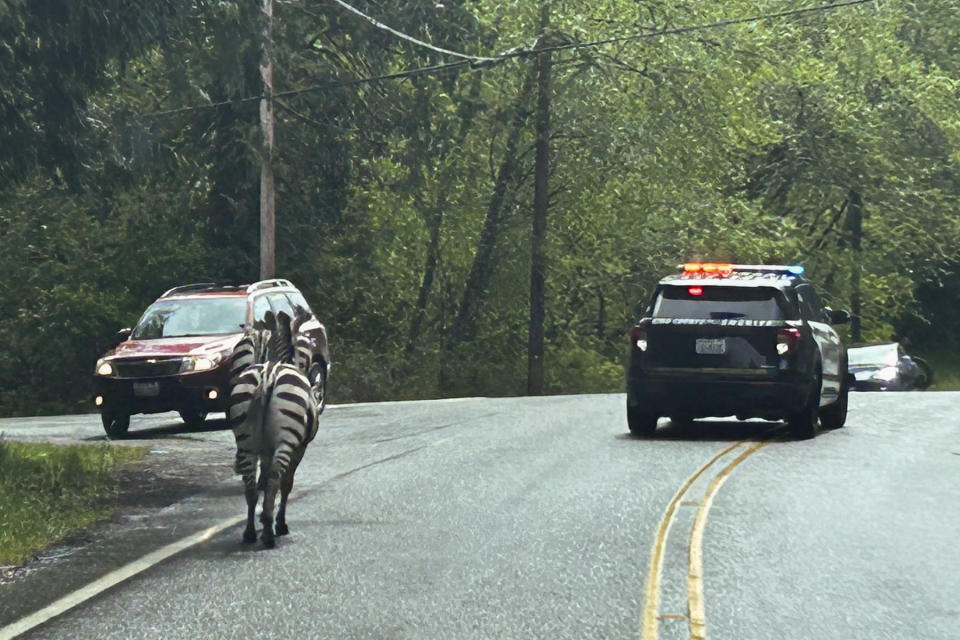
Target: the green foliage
(48, 492)
(744, 143)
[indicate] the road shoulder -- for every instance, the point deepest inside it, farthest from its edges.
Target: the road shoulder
(162, 499)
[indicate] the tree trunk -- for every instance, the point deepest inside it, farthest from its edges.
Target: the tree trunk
(429, 273)
(538, 266)
(855, 231)
(482, 267)
(433, 219)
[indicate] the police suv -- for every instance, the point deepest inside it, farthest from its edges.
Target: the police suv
(752, 341)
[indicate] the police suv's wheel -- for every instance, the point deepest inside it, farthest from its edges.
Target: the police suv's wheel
(805, 423)
(193, 419)
(318, 385)
(835, 415)
(641, 423)
(115, 424)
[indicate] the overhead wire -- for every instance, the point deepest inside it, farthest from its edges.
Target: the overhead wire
(480, 62)
(690, 28)
(409, 38)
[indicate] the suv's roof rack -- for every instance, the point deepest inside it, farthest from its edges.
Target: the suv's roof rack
(200, 286)
(189, 287)
(266, 284)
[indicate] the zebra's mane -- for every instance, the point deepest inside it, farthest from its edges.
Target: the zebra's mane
(279, 346)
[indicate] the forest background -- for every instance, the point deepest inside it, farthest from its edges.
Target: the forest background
(129, 163)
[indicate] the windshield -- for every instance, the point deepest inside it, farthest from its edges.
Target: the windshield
(191, 317)
(875, 355)
(719, 303)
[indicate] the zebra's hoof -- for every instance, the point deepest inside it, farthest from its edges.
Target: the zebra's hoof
(249, 536)
(282, 529)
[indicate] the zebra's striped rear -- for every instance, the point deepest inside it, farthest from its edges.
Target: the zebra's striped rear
(291, 416)
(273, 416)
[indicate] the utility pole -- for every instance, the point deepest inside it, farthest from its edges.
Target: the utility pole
(540, 203)
(267, 200)
(855, 230)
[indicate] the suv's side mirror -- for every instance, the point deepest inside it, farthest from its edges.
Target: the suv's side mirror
(123, 334)
(837, 317)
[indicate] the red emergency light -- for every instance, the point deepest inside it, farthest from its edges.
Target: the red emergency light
(708, 268)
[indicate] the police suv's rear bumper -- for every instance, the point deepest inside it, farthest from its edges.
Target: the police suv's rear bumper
(699, 393)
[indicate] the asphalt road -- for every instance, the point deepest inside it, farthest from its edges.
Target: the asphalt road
(540, 518)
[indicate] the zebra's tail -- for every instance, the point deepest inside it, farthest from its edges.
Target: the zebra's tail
(289, 416)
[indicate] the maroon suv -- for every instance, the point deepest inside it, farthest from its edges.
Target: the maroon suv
(177, 357)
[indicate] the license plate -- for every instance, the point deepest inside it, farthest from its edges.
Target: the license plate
(146, 389)
(712, 346)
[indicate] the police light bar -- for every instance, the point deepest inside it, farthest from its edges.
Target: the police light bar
(707, 268)
(713, 269)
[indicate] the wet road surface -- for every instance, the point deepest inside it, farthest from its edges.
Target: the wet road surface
(536, 518)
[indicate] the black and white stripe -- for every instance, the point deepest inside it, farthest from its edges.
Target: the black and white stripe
(274, 418)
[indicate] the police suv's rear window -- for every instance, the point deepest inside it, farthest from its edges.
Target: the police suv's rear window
(712, 302)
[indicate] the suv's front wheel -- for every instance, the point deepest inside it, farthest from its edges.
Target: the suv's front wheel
(318, 385)
(193, 419)
(114, 423)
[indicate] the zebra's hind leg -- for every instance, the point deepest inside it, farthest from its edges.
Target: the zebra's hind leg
(266, 516)
(250, 492)
(286, 486)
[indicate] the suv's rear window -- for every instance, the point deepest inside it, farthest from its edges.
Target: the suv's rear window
(191, 317)
(721, 303)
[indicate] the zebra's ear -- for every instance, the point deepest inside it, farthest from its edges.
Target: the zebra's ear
(300, 316)
(283, 326)
(270, 321)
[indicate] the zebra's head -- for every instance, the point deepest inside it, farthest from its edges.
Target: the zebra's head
(250, 350)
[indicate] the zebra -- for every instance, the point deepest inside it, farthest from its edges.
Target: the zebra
(273, 417)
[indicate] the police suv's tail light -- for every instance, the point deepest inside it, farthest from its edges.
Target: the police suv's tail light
(787, 340)
(638, 337)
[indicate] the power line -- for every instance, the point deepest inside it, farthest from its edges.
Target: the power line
(335, 84)
(477, 62)
(527, 53)
(679, 30)
(404, 36)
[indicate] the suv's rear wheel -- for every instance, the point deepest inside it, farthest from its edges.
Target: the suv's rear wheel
(640, 422)
(193, 419)
(835, 415)
(114, 423)
(805, 423)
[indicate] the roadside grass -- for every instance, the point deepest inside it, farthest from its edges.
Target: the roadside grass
(946, 370)
(48, 492)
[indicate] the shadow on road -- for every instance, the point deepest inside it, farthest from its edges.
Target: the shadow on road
(174, 429)
(712, 430)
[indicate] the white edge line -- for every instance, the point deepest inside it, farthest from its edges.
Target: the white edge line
(140, 565)
(112, 579)
(388, 403)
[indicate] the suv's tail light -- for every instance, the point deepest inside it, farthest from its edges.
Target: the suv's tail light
(638, 337)
(787, 340)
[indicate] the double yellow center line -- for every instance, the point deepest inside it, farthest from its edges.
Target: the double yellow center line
(695, 603)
